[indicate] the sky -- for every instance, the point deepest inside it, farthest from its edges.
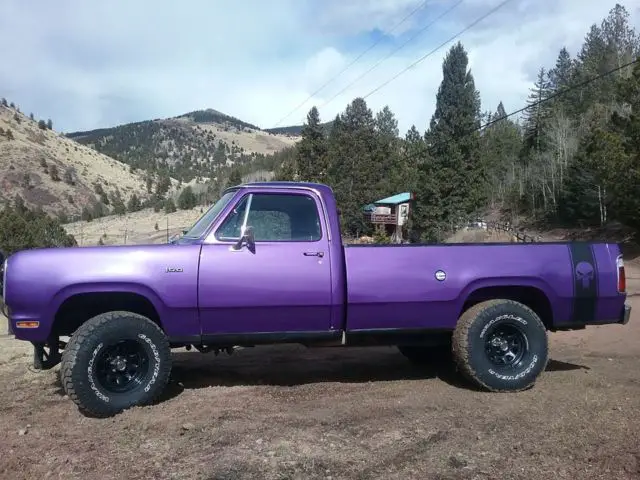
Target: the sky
(89, 65)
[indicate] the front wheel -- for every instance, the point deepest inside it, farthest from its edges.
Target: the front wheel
(114, 361)
(500, 345)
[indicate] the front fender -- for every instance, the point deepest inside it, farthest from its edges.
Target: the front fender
(107, 287)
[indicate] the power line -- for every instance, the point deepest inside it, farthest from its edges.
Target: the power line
(362, 54)
(420, 32)
(552, 96)
(561, 92)
(468, 27)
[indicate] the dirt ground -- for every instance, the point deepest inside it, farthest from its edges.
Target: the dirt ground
(293, 413)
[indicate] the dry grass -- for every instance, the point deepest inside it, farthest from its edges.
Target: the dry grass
(132, 228)
(478, 236)
(22, 169)
(253, 141)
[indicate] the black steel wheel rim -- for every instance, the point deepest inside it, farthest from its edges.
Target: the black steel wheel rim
(506, 345)
(121, 367)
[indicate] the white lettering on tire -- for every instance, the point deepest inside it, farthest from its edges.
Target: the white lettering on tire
(92, 382)
(501, 317)
(156, 356)
(519, 375)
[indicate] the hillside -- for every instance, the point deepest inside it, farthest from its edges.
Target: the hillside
(296, 130)
(55, 173)
(204, 143)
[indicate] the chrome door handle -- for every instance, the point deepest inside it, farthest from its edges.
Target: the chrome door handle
(314, 254)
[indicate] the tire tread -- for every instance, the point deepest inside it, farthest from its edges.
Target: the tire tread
(89, 332)
(460, 340)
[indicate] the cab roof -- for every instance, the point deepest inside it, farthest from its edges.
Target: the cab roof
(286, 184)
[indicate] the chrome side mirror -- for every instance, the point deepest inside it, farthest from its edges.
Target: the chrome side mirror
(246, 238)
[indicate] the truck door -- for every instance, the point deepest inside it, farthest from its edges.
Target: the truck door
(281, 283)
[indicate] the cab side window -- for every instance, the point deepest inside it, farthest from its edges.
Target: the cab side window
(274, 218)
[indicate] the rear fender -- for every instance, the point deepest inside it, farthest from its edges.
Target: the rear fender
(498, 282)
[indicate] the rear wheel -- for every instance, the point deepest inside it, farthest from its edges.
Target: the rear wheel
(501, 345)
(114, 361)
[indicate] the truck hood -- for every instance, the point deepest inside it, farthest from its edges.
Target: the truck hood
(81, 257)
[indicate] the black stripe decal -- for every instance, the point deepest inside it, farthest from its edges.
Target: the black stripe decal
(585, 282)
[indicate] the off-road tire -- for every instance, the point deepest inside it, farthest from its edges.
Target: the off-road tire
(81, 357)
(469, 345)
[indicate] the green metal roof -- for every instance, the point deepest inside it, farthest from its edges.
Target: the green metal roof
(395, 199)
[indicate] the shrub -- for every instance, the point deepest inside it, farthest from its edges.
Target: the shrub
(22, 228)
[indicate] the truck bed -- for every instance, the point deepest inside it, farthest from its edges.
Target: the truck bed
(394, 287)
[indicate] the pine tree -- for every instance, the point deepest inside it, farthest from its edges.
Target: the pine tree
(625, 172)
(187, 199)
(164, 184)
(220, 154)
(169, 206)
(607, 46)
(622, 44)
(501, 142)
(501, 113)
(99, 210)
(286, 171)
(412, 153)
(133, 205)
(561, 77)
(353, 172)
(312, 150)
(454, 178)
(387, 154)
(86, 214)
(119, 207)
(537, 113)
(235, 178)
(414, 160)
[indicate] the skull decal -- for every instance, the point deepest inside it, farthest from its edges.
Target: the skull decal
(584, 273)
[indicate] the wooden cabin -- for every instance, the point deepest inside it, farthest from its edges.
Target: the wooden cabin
(392, 213)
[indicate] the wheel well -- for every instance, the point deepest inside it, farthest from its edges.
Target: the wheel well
(77, 309)
(532, 297)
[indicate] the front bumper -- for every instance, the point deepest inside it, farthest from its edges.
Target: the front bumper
(626, 314)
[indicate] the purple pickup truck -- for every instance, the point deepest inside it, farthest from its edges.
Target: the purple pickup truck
(266, 264)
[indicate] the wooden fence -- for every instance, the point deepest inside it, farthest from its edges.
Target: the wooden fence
(517, 235)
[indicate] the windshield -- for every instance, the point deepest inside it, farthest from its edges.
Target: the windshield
(205, 220)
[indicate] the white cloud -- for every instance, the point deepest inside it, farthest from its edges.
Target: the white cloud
(88, 65)
(322, 66)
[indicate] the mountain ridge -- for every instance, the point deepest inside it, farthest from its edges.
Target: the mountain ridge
(202, 143)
